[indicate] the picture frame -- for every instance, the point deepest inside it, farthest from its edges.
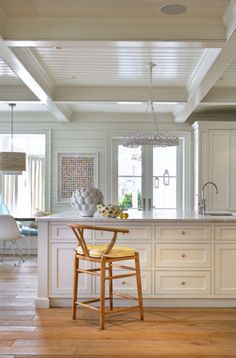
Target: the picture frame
(75, 170)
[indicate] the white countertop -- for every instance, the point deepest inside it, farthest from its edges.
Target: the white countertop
(136, 215)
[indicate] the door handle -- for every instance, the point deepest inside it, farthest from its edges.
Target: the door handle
(144, 204)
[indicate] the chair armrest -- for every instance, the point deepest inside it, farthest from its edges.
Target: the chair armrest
(78, 231)
(101, 228)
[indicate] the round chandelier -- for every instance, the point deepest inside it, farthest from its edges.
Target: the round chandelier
(157, 139)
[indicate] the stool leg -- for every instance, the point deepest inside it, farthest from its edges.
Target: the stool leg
(102, 293)
(110, 286)
(75, 286)
(139, 285)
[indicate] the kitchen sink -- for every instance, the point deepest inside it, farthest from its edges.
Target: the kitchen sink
(220, 214)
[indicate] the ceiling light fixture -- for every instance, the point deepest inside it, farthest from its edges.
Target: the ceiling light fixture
(156, 140)
(12, 163)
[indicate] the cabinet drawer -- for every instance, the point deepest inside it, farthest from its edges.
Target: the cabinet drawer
(183, 282)
(183, 255)
(62, 232)
(128, 284)
(225, 233)
(183, 232)
(135, 233)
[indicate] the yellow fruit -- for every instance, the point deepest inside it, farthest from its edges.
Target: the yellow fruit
(125, 216)
(121, 216)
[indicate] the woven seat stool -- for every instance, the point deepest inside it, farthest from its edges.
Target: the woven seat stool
(106, 257)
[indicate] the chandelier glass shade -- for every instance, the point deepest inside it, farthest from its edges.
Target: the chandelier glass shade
(156, 139)
(12, 162)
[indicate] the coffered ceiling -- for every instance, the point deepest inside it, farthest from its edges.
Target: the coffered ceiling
(71, 56)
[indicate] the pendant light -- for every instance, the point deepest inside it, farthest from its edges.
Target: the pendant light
(12, 163)
(157, 139)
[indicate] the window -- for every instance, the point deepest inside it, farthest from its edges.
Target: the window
(24, 193)
(149, 178)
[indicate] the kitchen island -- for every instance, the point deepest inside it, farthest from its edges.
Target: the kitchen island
(187, 259)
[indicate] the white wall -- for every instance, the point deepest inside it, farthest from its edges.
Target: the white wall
(88, 133)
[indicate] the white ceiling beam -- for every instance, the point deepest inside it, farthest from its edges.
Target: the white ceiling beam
(116, 44)
(217, 66)
(118, 94)
(229, 18)
(8, 56)
(114, 28)
(217, 69)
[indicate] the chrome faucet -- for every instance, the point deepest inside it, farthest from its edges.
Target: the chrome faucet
(202, 204)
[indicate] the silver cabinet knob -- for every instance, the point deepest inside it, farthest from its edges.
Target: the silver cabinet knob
(123, 282)
(183, 232)
(183, 283)
(183, 255)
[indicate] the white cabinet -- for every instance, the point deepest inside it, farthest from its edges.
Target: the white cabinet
(182, 282)
(183, 255)
(178, 248)
(183, 232)
(225, 273)
(61, 272)
(215, 148)
(225, 259)
(180, 259)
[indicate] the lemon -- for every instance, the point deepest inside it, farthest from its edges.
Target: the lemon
(121, 216)
(125, 216)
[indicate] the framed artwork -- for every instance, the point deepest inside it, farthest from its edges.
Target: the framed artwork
(75, 170)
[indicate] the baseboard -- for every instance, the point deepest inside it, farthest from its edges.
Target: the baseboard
(42, 303)
(161, 302)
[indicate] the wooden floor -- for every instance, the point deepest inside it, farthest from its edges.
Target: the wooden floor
(166, 332)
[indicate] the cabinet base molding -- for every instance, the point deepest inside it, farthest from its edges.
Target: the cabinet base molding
(44, 303)
(160, 302)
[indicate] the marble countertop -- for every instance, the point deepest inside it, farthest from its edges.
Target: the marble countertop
(136, 215)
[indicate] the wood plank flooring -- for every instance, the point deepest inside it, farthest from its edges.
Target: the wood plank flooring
(165, 332)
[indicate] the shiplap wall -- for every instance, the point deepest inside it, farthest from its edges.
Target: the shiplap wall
(87, 133)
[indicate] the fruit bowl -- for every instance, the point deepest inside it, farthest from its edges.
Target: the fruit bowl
(109, 211)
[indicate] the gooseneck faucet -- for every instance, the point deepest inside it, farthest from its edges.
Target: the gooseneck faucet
(202, 205)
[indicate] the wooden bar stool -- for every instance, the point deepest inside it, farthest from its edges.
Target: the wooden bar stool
(106, 256)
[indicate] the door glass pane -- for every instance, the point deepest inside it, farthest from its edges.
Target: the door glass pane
(164, 158)
(129, 177)
(130, 161)
(129, 192)
(164, 197)
(164, 178)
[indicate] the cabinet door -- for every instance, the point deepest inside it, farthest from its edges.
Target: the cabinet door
(222, 169)
(225, 266)
(62, 264)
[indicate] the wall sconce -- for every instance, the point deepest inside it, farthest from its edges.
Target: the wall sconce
(156, 182)
(166, 177)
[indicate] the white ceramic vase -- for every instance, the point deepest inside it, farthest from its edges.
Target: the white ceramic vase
(86, 200)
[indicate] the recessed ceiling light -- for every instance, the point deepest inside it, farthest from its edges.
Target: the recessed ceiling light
(173, 9)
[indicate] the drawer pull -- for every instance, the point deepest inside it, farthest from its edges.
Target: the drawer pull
(123, 283)
(183, 283)
(183, 255)
(183, 232)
